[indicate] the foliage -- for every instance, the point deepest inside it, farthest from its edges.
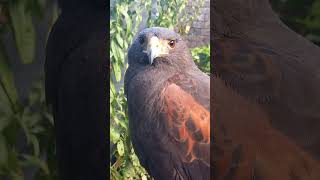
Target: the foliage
(125, 19)
(26, 125)
(124, 163)
(174, 14)
(32, 121)
(126, 16)
(201, 56)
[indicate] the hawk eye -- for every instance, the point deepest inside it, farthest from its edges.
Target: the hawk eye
(172, 43)
(141, 40)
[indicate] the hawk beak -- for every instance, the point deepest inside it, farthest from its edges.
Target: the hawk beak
(154, 49)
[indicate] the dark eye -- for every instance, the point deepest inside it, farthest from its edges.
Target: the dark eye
(172, 43)
(141, 40)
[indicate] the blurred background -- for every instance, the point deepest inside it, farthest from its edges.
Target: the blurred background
(27, 148)
(26, 127)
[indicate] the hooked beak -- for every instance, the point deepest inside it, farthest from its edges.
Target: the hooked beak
(154, 49)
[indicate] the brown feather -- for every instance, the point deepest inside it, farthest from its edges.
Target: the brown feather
(183, 111)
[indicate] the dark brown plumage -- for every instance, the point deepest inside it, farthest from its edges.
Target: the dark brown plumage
(169, 107)
(265, 96)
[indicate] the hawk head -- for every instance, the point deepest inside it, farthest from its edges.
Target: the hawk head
(159, 45)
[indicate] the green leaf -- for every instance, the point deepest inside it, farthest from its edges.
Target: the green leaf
(13, 161)
(37, 7)
(144, 177)
(36, 161)
(115, 119)
(42, 3)
(123, 124)
(49, 117)
(34, 97)
(117, 71)
(24, 31)
(4, 122)
(3, 151)
(125, 45)
(114, 135)
(35, 143)
(114, 51)
(37, 129)
(129, 23)
(112, 91)
(120, 148)
(119, 40)
(8, 92)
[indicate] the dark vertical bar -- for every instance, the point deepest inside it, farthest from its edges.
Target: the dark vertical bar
(77, 88)
(106, 70)
(264, 92)
(212, 76)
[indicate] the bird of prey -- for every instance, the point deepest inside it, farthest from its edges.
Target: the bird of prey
(168, 106)
(76, 86)
(265, 95)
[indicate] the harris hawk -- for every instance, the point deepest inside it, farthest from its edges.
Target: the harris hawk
(76, 88)
(168, 107)
(266, 96)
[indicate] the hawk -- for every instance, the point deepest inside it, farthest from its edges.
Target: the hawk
(168, 106)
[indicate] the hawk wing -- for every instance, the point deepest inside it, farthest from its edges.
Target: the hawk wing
(187, 113)
(170, 129)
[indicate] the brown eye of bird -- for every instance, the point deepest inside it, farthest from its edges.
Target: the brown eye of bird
(172, 43)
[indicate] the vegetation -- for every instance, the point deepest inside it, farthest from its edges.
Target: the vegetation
(201, 56)
(26, 125)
